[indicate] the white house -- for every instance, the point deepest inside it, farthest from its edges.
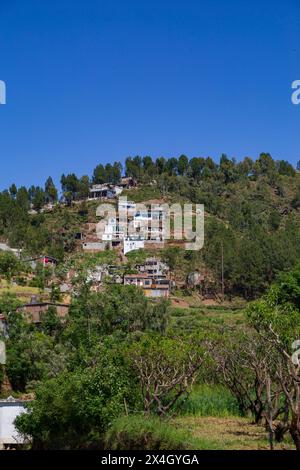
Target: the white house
(9, 410)
(133, 243)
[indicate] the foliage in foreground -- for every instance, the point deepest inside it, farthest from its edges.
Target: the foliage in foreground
(73, 410)
(147, 433)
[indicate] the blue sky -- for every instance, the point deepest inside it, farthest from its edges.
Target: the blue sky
(95, 81)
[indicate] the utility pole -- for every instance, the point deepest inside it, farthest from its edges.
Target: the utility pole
(222, 270)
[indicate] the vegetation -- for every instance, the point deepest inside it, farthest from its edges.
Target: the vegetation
(137, 433)
(121, 371)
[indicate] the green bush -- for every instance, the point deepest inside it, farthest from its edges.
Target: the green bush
(147, 433)
(74, 409)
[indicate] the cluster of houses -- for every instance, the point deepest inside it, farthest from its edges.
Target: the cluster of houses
(152, 277)
(131, 227)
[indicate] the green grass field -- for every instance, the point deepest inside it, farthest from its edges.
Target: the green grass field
(190, 319)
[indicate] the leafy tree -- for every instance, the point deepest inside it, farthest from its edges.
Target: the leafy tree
(74, 410)
(99, 175)
(70, 186)
(38, 198)
(227, 169)
(9, 265)
(149, 169)
(245, 167)
(51, 323)
(285, 168)
(277, 320)
(196, 167)
(117, 172)
(264, 165)
(119, 308)
(50, 191)
(160, 165)
(13, 190)
(171, 166)
(32, 356)
(84, 187)
(183, 164)
(22, 198)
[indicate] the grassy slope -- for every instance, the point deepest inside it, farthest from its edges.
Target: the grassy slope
(211, 415)
(189, 319)
(228, 433)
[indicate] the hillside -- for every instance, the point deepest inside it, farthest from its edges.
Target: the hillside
(251, 210)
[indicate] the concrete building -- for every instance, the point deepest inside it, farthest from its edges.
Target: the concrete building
(93, 247)
(105, 191)
(96, 275)
(195, 279)
(9, 410)
(152, 287)
(35, 310)
(153, 267)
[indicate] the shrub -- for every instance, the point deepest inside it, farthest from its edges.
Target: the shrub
(147, 433)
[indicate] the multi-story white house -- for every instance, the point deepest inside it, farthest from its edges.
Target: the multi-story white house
(132, 226)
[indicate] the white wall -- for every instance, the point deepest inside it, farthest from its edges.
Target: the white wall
(130, 245)
(8, 432)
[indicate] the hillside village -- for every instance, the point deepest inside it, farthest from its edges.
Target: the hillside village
(131, 229)
(138, 223)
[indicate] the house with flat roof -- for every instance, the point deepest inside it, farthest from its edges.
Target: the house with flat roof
(152, 286)
(153, 267)
(34, 311)
(10, 408)
(104, 191)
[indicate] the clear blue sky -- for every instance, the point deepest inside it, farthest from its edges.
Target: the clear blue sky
(97, 80)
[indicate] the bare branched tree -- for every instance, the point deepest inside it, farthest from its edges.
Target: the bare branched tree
(167, 368)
